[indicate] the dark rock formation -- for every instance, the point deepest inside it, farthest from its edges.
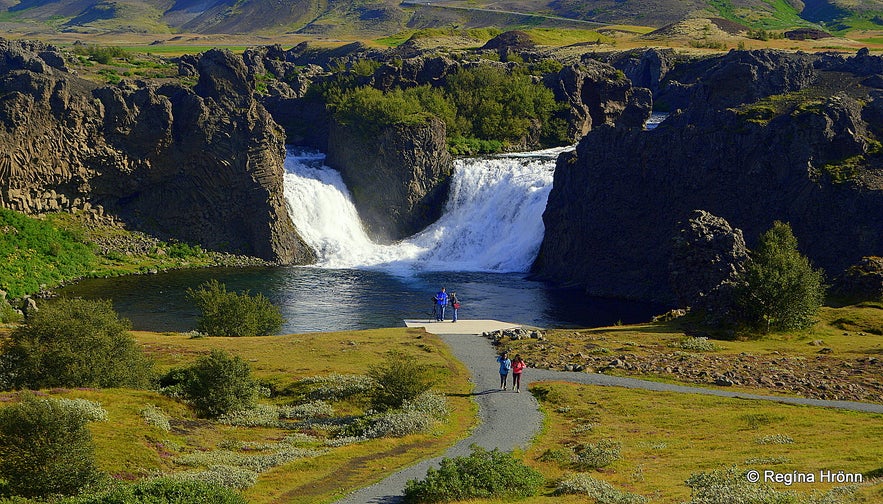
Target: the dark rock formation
(862, 281)
(202, 165)
(599, 94)
(645, 68)
(812, 161)
(398, 177)
(707, 258)
(706, 253)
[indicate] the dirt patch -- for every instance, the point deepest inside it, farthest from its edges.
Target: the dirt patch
(343, 476)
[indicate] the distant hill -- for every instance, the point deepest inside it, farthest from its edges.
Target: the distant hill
(375, 17)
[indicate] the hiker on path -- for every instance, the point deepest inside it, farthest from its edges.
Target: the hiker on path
(505, 366)
(518, 366)
(455, 305)
(441, 300)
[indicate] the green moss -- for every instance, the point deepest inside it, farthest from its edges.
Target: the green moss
(844, 170)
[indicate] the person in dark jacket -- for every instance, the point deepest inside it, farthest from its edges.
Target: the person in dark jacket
(455, 305)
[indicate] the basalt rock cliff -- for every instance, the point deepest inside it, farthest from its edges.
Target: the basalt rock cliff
(764, 136)
(201, 165)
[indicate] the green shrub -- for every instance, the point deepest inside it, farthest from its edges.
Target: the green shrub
(36, 253)
(45, 448)
(399, 380)
(597, 455)
(225, 313)
(75, 343)
(101, 54)
(219, 384)
(482, 474)
(599, 490)
(731, 485)
(163, 491)
(779, 290)
(8, 314)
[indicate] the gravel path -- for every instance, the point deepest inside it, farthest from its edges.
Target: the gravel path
(509, 420)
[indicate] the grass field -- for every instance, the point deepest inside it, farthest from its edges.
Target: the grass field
(666, 437)
(129, 448)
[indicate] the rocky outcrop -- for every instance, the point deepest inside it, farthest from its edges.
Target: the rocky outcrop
(706, 252)
(201, 166)
(617, 200)
(598, 94)
(398, 177)
(862, 281)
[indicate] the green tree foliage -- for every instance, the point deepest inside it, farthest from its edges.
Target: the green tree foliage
(37, 253)
(75, 343)
(484, 108)
(162, 491)
(780, 290)
(483, 474)
(225, 313)
(399, 379)
(493, 104)
(45, 448)
(219, 383)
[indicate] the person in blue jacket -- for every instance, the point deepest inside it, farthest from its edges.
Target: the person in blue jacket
(441, 300)
(505, 366)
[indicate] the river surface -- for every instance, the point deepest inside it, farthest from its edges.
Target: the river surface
(481, 248)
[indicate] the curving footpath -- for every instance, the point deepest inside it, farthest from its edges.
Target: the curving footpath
(508, 420)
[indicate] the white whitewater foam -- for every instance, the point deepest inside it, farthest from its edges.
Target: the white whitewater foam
(492, 221)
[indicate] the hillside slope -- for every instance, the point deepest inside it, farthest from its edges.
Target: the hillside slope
(374, 17)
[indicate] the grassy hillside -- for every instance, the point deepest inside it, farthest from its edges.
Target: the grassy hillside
(132, 444)
(372, 18)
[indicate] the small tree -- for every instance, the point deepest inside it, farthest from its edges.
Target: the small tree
(399, 379)
(75, 343)
(220, 383)
(780, 290)
(45, 448)
(225, 313)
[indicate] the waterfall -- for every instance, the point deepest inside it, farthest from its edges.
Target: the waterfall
(492, 221)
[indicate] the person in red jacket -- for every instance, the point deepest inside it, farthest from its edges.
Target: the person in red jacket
(518, 366)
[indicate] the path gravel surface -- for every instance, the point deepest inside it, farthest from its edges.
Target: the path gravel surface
(509, 420)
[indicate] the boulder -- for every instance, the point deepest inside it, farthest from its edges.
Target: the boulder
(861, 281)
(398, 176)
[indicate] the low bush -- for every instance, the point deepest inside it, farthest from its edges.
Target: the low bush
(156, 417)
(219, 384)
(334, 386)
(599, 490)
(163, 491)
(597, 455)
(731, 485)
(698, 344)
(75, 343)
(225, 313)
(399, 380)
(46, 448)
(482, 474)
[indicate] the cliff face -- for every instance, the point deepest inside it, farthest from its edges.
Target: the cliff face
(201, 165)
(399, 177)
(766, 136)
